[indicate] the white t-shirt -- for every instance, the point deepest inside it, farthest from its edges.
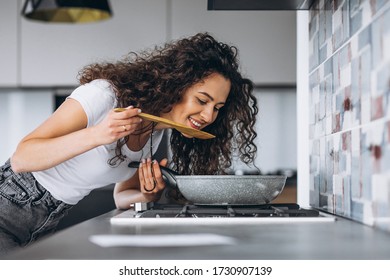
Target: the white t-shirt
(75, 178)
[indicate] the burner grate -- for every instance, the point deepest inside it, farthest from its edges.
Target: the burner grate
(228, 211)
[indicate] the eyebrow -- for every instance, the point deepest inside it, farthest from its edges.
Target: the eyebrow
(209, 96)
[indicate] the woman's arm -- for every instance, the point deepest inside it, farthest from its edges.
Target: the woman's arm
(133, 190)
(65, 135)
(128, 192)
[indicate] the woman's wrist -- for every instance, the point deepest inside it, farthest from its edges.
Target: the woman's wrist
(152, 197)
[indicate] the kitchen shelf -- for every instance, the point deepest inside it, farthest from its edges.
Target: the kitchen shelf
(259, 4)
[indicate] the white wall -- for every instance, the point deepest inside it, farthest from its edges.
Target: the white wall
(266, 40)
(40, 54)
(20, 112)
(8, 43)
(303, 108)
(276, 128)
(276, 131)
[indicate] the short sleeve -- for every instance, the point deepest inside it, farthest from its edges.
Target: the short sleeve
(97, 98)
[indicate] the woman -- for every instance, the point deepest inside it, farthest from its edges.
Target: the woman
(86, 144)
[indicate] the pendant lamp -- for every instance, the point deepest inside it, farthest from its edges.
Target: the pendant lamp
(67, 11)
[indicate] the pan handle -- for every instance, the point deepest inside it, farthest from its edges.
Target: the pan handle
(167, 173)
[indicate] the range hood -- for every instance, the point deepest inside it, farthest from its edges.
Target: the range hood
(259, 4)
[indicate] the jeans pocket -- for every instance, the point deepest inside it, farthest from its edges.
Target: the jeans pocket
(14, 190)
(3, 169)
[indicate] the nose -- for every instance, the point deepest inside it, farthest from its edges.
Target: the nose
(207, 114)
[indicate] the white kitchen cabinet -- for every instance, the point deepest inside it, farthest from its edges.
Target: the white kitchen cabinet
(53, 53)
(8, 43)
(40, 54)
(266, 39)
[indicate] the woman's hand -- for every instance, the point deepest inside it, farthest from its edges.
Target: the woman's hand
(150, 177)
(133, 190)
(117, 125)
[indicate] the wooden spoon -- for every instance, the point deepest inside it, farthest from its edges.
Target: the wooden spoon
(179, 127)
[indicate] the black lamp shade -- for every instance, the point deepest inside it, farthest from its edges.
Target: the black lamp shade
(67, 11)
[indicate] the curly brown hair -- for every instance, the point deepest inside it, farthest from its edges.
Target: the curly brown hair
(155, 80)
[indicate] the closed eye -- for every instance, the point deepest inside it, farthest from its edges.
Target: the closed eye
(202, 102)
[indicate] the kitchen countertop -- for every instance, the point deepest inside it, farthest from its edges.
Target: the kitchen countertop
(342, 239)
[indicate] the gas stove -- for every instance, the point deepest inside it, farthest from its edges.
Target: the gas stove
(218, 214)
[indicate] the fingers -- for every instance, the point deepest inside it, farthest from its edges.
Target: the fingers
(164, 162)
(151, 180)
(117, 125)
(157, 174)
(126, 121)
(127, 113)
(126, 127)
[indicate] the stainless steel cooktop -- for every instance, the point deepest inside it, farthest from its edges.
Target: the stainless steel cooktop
(218, 214)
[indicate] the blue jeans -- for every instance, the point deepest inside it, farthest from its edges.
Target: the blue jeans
(27, 210)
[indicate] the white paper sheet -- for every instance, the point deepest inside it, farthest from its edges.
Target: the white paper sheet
(160, 240)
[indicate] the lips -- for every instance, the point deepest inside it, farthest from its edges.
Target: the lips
(194, 124)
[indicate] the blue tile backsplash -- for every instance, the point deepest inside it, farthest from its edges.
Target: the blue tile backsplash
(349, 82)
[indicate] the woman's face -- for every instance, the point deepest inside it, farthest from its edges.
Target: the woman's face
(200, 103)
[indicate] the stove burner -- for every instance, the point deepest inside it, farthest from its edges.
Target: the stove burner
(228, 211)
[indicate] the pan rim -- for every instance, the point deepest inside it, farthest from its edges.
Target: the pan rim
(233, 176)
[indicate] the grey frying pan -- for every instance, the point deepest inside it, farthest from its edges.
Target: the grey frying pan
(224, 189)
